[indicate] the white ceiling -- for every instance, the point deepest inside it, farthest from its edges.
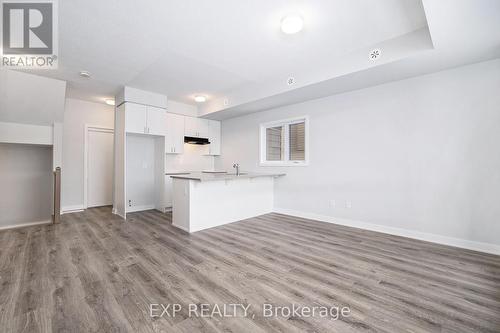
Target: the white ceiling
(234, 49)
(181, 48)
(459, 32)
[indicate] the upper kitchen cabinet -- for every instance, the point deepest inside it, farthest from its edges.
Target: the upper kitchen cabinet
(142, 119)
(196, 127)
(156, 121)
(214, 135)
(174, 139)
(135, 118)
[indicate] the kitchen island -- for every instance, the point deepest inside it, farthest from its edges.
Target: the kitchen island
(206, 200)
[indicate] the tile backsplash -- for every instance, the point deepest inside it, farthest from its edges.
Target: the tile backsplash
(194, 158)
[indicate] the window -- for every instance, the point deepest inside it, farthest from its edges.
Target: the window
(284, 143)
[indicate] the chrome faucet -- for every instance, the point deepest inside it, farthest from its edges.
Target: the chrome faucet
(237, 167)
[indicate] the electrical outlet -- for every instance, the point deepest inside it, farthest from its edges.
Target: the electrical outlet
(333, 203)
(348, 204)
(130, 203)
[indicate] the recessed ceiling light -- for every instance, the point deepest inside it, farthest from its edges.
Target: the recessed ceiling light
(292, 24)
(85, 74)
(109, 101)
(200, 99)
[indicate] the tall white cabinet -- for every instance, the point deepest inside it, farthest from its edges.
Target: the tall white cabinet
(214, 136)
(174, 139)
(140, 131)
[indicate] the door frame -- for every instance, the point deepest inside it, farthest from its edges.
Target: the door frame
(91, 128)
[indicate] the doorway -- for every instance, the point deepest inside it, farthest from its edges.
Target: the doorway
(98, 167)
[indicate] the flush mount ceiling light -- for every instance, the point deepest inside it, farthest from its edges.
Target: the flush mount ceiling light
(200, 99)
(292, 24)
(84, 74)
(109, 101)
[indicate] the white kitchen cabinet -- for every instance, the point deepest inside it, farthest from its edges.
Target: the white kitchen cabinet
(167, 196)
(142, 119)
(214, 135)
(156, 121)
(140, 129)
(190, 126)
(203, 128)
(174, 138)
(135, 118)
(196, 127)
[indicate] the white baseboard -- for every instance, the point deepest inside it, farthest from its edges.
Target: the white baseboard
(181, 227)
(23, 225)
(140, 208)
(72, 209)
(115, 211)
(433, 238)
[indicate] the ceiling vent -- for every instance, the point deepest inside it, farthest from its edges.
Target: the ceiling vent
(375, 54)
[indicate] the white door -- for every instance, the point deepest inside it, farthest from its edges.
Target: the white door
(99, 167)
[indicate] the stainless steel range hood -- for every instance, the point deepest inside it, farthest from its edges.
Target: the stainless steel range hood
(196, 141)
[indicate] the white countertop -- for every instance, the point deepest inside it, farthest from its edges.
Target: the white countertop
(204, 176)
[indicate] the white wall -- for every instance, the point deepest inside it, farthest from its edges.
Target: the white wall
(25, 184)
(140, 172)
(26, 134)
(30, 99)
(78, 113)
(419, 154)
(194, 158)
(182, 108)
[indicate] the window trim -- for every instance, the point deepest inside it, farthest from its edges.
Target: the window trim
(285, 123)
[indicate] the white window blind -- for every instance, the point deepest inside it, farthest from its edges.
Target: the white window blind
(284, 142)
(297, 142)
(274, 143)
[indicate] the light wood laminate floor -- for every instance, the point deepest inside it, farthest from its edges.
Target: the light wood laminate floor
(96, 273)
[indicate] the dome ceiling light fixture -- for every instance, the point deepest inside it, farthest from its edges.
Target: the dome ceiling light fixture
(85, 74)
(291, 24)
(200, 99)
